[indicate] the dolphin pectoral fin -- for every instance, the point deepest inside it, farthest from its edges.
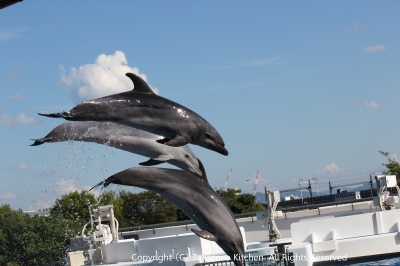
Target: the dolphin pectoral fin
(150, 162)
(40, 141)
(163, 141)
(157, 160)
(204, 234)
(178, 141)
(163, 158)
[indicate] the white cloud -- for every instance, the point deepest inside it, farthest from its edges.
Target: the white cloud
(22, 166)
(105, 77)
(330, 168)
(371, 104)
(66, 186)
(18, 167)
(262, 62)
(254, 63)
(18, 96)
(374, 49)
(8, 195)
(96, 193)
(40, 205)
(355, 27)
(10, 34)
(5, 119)
(21, 119)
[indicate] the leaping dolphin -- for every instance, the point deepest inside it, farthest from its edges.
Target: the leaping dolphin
(125, 138)
(141, 108)
(195, 197)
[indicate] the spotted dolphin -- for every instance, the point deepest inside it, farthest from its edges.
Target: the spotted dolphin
(125, 138)
(142, 108)
(195, 197)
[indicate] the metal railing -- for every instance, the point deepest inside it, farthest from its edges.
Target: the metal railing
(231, 263)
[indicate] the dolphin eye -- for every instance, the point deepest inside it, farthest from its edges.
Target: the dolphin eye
(186, 155)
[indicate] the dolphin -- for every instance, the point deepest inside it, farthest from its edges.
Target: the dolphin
(125, 138)
(142, 108)
(195, 197)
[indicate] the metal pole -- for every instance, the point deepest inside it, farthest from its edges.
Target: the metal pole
(301, 191)
(371, 184)
(316, 183)
(112, 223)
(272, 233)
(253, 185)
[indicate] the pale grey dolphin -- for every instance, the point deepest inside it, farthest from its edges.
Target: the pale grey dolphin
(195, 197)
(125, 138)
(141, 108)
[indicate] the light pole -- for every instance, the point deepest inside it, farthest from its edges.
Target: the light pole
(252, 181)
(300, 185)
(316, 183)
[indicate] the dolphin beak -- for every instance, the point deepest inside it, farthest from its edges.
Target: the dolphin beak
(221, 149)
(224, 151)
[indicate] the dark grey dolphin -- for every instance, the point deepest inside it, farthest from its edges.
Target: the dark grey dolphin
(141, 108)
(195, 197)
(125, 138)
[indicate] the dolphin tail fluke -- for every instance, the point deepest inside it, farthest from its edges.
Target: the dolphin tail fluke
(95, 186)
(64, 115)
(104, 183)
(237, 262)
(40, 141)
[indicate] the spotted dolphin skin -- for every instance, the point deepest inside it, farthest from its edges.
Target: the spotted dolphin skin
(141, 108)
(195, 197)
(125, 138)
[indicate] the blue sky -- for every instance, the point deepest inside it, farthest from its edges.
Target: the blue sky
(296, 89)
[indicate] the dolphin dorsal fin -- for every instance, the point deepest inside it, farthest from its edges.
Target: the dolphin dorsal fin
(204, 234)
(139, 83)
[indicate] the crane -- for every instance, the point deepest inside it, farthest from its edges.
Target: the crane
(226, 181)
(254, 184)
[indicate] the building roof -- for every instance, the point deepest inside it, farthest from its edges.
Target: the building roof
(6, 3)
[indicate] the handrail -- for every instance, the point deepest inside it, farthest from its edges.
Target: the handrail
(242, 215)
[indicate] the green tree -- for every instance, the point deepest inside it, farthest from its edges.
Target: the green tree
(181, 216)
(240, 203)
(26, 240)
(393, 167)
(146, 208)
(74, 206)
